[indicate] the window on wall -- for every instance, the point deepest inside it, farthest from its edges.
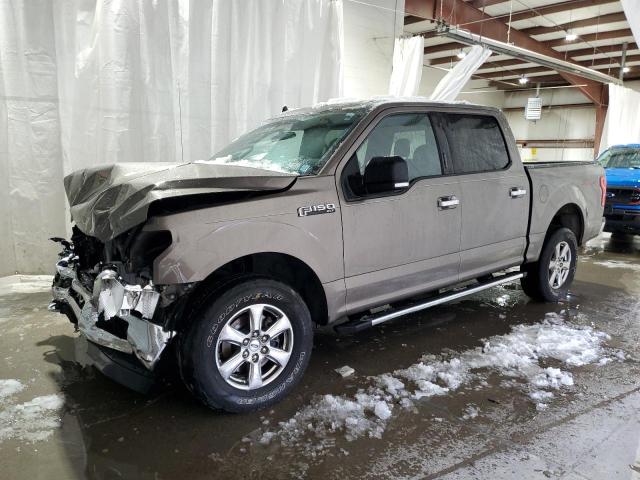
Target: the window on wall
(476, 143)
(409, 136)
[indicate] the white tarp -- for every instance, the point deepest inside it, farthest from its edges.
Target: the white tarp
(90, 82)
(622, 124)
(408, 54)
(632, 12)
(452, 83)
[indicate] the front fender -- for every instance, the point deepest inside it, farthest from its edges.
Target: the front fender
(191, 258)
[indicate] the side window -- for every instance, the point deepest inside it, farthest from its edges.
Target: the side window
(408, 136)
(476, 143)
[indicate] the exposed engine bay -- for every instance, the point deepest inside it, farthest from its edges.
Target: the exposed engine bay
(106, 290)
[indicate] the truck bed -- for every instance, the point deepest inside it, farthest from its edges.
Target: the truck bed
(554, 184)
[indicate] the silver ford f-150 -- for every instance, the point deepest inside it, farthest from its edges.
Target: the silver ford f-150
(347, 214)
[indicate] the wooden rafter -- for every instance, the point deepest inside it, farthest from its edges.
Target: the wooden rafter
(587, 22)
(557, 8)
(591, 37)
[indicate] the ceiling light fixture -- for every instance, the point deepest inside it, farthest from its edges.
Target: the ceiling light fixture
(571, 36)
(626, 70)
(523, 80)
(461, 54)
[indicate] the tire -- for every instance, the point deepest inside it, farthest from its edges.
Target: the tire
(221, 331)
(538, 281)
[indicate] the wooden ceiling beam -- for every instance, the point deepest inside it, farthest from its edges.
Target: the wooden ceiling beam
(598, 62)
(556, 8)
(587, 22)
(599, 50)
(410, 19)
(478, 22)
(518, 72)
(486, 3)
(590, 37)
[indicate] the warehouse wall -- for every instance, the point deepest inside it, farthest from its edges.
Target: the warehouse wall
(575, 123)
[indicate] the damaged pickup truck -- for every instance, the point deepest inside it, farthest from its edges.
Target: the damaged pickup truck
(347, 214)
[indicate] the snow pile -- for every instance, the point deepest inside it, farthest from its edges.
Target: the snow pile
(470, 412)
(9, 387)
(31, 421)
(517, 355)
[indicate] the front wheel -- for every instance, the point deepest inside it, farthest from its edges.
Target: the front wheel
(247, 348)
(550, 277)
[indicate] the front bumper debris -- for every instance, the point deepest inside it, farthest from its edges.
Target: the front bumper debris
(111, 302)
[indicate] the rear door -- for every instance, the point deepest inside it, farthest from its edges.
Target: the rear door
(494, 200)
(402, 243)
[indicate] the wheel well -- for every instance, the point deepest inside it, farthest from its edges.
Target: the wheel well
(279, 266)
(569, 217)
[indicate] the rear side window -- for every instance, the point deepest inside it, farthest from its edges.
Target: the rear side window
(476, 143)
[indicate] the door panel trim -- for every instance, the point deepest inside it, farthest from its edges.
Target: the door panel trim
(391, 284)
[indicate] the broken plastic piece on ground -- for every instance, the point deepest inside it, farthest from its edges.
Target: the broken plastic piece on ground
(345, 371)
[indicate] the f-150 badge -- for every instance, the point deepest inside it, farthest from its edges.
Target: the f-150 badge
(316, 209)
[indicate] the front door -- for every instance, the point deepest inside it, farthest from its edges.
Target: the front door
(398, 244)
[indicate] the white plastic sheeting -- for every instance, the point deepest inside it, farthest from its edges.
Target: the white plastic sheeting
(622, 124)
(90, 82)
(408, 54)
(632, 12)
(452, 83)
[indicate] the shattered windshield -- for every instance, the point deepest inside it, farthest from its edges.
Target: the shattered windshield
(620, 158)
(296, 144)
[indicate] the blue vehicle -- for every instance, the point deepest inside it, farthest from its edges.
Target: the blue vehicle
(622, 208)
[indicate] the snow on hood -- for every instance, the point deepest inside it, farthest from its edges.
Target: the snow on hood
(109, 200)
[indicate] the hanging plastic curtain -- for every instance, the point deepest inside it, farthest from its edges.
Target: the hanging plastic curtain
(94, 82)
(451, 84)
(632, 12)
(407, 66)
(622, 124)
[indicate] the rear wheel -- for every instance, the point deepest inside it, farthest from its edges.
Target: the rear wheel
(247, 348)
(549, 278)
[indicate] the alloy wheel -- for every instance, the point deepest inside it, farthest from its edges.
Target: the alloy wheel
(254, 346)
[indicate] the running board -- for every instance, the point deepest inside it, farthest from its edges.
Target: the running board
(369, 321)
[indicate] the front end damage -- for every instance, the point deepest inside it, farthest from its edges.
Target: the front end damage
(111, 306)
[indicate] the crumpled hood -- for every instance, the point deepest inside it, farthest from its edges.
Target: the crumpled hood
(108, 200)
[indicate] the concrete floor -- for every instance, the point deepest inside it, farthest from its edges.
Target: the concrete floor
(589, 430)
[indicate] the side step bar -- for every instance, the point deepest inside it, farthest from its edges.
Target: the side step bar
(369, 321)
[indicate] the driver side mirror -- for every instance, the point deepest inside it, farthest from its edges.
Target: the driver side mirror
(386, 175)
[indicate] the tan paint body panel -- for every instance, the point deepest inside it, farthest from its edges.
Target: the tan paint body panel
(206, 239)
(374, 251)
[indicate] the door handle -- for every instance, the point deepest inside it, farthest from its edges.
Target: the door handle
(517, 192)
(449, 202)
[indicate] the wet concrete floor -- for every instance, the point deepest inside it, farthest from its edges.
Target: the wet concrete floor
(590, 430)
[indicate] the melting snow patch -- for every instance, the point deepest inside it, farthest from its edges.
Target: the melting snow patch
(31, 421)
(516, 355)
(470, 412)
(9, 387)
(25, 284)
(618, 264)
